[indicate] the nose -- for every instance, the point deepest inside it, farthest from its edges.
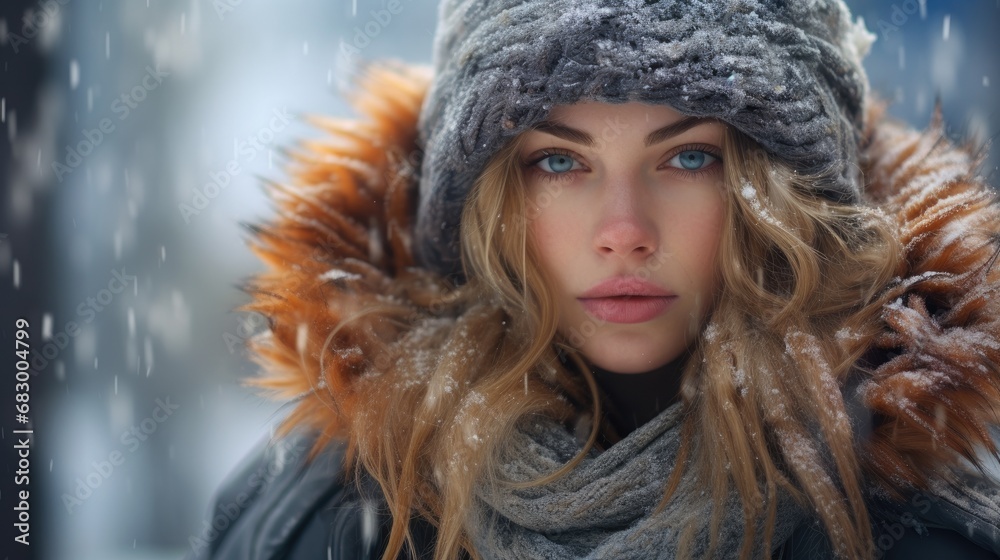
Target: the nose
(625, 228)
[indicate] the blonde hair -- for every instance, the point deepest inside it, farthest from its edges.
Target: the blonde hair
(762, 405)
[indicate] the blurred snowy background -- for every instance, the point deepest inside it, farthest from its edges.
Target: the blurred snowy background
(114, 113)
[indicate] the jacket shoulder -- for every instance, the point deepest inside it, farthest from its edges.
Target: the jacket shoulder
(960, 520)
(278, 504)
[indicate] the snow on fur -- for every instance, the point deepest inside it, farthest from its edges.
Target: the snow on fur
(938, 391)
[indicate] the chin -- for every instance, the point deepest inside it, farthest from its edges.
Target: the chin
(622, 359)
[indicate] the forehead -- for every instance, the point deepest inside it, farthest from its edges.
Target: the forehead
(585, 111)
(593, 124)
(581, 122)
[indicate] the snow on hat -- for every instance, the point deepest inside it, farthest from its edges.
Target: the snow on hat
(787, 73)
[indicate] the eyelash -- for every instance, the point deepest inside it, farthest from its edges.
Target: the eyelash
(532, 165)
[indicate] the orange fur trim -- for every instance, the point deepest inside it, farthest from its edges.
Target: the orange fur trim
(342, 226)
(938, 392)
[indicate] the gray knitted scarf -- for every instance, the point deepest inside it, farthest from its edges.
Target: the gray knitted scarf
(604, 508)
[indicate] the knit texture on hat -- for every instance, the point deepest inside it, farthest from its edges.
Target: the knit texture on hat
(787, 73)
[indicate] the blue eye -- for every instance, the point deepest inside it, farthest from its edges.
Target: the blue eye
(557, 163)
(693, 160)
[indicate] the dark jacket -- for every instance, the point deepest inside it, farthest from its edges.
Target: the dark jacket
(343, 233)
(295, 510)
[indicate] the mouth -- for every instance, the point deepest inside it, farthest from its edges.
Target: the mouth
(627, 308)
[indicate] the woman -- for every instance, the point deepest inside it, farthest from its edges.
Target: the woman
(626, 280)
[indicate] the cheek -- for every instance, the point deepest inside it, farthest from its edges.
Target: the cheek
(551, 233)
(703, 233)
(555, 239)
(711, 237)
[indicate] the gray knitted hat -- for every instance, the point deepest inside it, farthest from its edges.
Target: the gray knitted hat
(787, 73)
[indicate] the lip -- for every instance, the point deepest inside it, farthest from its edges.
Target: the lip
(627, 309)
(625, 286)
(626, 299)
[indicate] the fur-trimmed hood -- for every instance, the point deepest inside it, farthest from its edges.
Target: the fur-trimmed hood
(342, 237)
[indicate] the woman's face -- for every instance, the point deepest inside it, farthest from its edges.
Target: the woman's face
(625, 208)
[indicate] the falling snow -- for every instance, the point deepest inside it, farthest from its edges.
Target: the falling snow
(163, 334)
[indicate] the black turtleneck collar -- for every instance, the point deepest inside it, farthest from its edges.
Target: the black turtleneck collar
(632, 399)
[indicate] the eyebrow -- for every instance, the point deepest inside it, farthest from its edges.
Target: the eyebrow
(655, 137)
